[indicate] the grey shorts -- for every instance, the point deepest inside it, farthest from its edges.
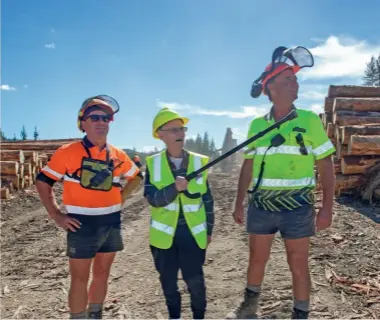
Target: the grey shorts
(295, 224)
(91, 239)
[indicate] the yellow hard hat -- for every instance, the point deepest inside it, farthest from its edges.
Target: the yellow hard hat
(164, 116)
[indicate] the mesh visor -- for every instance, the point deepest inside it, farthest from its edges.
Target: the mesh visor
(104, 100)
(298, 56)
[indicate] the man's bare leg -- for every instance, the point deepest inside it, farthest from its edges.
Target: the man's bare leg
(298, 259)
(99, 285)
(79, 274)
(259, 252)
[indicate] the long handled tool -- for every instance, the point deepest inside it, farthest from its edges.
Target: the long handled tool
(291, 115)
(297, 57)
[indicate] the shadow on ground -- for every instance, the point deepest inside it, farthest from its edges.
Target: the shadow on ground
(371, 211)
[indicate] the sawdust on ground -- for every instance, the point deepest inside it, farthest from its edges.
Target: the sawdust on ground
(344, 263)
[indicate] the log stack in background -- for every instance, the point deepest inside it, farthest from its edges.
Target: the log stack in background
(21, 160)
(352, 121)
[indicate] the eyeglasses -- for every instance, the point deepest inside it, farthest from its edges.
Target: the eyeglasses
(301, 143)
(175, 130)
(97, 117)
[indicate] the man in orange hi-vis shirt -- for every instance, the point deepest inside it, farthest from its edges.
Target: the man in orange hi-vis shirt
(91, 170)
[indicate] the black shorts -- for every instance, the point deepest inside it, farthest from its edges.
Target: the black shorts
(295, 224)
(88, 240)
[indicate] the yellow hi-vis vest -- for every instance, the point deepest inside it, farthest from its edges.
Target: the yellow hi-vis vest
(164, 220)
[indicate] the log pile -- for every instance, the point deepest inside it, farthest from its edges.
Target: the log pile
(351, 119)
(22, 160)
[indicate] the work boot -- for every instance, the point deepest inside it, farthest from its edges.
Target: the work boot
(95, 314)
(299, 314)
(247, 308)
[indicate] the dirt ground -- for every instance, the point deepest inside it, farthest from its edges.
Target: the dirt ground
(344, 262)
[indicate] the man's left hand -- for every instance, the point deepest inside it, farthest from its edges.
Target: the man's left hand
(324, 219)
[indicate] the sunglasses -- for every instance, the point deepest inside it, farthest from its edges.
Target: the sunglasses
(175, 130)
(97, 117)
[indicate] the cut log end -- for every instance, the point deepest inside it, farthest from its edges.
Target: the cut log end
(353, 91)
(5, 193)
(362, 130)
(364, 145)
(358, 164)
(347, 118)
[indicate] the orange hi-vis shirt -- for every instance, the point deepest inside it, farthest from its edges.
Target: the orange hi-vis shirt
(81, 201)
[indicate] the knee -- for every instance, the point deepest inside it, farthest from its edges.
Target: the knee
(101, 274)
(258, 259)
(79, 278)
(197, 289)
(298, 264)
(196, 282)
(169, 286)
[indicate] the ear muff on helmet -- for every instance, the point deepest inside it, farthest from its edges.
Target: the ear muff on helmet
(256, 90)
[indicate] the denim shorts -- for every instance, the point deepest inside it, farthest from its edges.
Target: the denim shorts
(91, 239)
(295, 224)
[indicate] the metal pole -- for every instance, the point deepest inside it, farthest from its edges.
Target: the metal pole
(291, 115)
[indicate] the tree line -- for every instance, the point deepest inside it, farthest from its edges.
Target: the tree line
(372, 72)
(203, 145)
(23, 135)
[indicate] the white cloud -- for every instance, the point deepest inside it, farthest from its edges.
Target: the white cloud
(239, 134)
(312, 95)
(7, 87)
(246, 111)
(147, 149)
(340, 57)
(50, 45)
(317, 108)
(26, 86)
(192, 136)
(143, 149)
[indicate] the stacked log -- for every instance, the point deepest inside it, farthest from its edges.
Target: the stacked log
(21, 161)
(352, 121)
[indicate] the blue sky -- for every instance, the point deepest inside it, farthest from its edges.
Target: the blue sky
(199, 57)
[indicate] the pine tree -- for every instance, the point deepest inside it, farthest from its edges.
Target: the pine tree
(35, 133)
(205, 145)
(198, 144)
(23, 133)
(372, 72)
(212, 147)
(3, 137)
(14, 137)
(189, 144)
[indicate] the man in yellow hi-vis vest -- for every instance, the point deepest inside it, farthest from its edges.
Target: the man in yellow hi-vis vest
(280, 167)
(182, 214)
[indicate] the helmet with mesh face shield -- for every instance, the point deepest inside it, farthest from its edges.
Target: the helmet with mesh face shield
(104, 102)
(282, 59)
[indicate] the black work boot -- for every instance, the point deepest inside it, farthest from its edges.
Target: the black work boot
(247, 308)
(299, 314)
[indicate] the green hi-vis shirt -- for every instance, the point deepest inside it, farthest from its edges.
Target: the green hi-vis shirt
(286, 168)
